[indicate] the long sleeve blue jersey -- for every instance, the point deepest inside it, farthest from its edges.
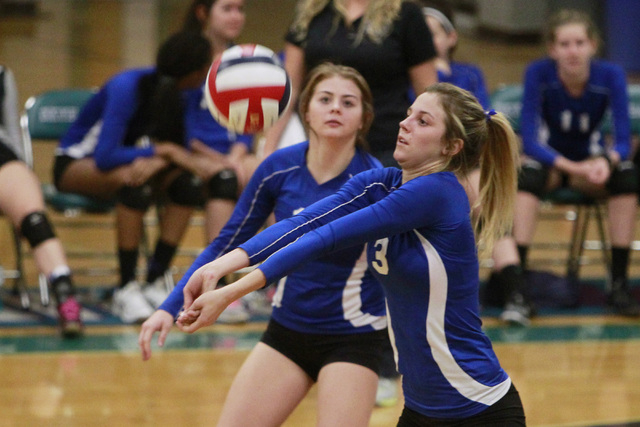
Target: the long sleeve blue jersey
(333, 294)
(421, 247)
(554, 122)
(107, 128)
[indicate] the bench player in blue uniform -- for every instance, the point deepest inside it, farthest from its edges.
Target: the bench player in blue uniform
(565, 99)
(422, 248)
(328, 323)
(128, 143)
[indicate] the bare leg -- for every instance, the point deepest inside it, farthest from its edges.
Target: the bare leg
(622, 219)
(346, 395)
(264, 375)
(20, 195)
(174, 223)
(217, 213)
(525, 217)
(83, 177)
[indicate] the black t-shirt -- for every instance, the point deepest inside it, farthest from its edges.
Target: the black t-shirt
(384, 66)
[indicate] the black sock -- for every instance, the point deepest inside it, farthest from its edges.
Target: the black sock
(511, 279)
(128, 259)
(523, 252)
(619, 265)
(159, 262)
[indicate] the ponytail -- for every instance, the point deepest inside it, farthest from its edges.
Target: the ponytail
(490, 144)
(499, 162)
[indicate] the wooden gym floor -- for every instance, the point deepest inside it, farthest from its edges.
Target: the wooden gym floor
(572, 367)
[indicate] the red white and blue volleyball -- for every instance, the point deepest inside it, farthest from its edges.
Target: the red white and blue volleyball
(247, 88)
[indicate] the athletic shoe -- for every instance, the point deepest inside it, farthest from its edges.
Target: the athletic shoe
(130, 305)
(69, 318)
(621, 301)
(156, 292)
(387, 393)
(234, 313)
(517, 311)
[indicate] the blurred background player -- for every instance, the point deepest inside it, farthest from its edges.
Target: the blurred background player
(565, 99)
(22, 202)
(128, 143)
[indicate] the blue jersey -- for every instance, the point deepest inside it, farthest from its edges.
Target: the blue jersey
(334, 294)
(200, 125)
(553, 122)
(422, 249)
(109, 127)
(465, 76)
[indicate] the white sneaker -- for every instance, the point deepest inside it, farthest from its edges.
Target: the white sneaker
(130, 305)
(387, 393)
(234, 313)
(156, 292)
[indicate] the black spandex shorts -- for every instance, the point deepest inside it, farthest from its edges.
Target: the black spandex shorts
(314, 351)
(60, 165)
(6, 155)
(506, 412)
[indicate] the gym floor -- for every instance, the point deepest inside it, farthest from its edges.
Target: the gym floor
(573, 367)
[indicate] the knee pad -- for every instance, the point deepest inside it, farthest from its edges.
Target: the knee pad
(36, 228)
(624, 179)
(137, 198)
(186, 190)
(533, 178)
(223, 185)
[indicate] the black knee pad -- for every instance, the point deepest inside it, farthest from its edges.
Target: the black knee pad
(533, 178)
(137, 198)
(223, 185)
(36, 228)
(624, 179)
(186, 190)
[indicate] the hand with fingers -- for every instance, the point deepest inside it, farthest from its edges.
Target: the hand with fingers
(160, 321)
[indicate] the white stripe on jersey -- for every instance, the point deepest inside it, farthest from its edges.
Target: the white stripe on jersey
(86, 147)
(323, 215)
(437, 339)
(253, 204)
(352, 301)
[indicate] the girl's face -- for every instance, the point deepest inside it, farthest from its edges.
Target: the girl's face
(442, 41)
(420, 140)
(572, 49)
(335, 109)
(226, 20)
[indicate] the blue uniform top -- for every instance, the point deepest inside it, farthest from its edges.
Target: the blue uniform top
(108, 127)
(200, 124)
(334, 294)
(465, 76)
(553, 122)
(422, 249)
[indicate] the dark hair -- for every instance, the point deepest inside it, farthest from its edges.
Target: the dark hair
(327, 70)
(180, 55)
(183, 53)
(191, 20)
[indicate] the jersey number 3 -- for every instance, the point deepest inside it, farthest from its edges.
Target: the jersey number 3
(380, 264)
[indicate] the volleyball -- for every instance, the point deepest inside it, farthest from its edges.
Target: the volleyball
(247, 88)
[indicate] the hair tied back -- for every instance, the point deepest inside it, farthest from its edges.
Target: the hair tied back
(489, 113)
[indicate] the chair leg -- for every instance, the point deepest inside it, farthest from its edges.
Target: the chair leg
(20, 286)
(44, 290)
(606, 253)
(578, 236)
